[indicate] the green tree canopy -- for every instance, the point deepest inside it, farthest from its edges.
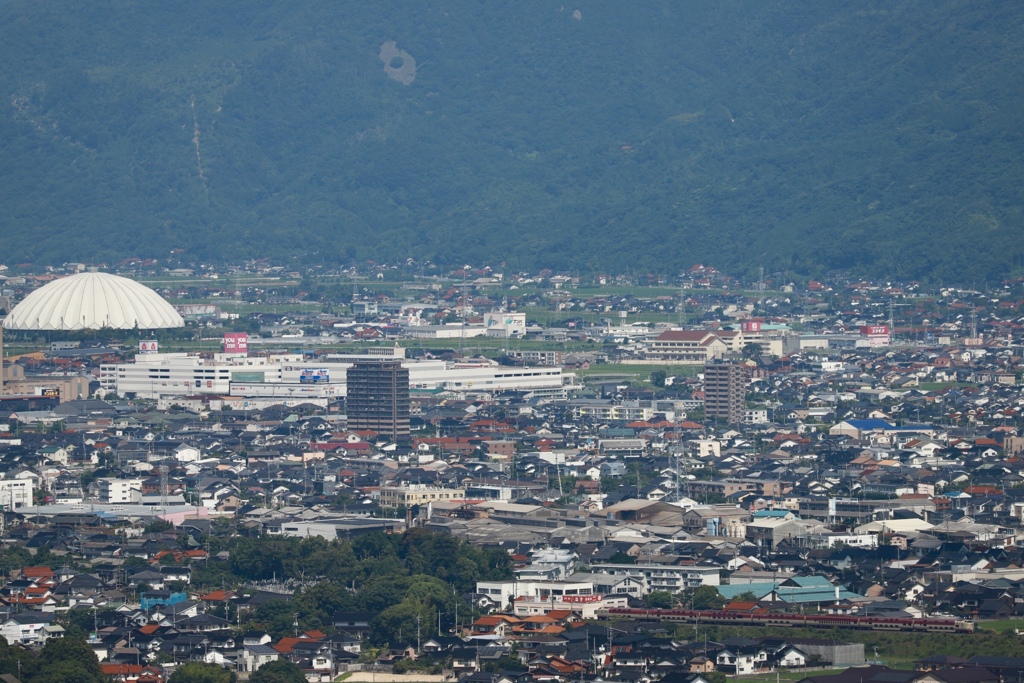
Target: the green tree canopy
(660, 599)
(199, 672)
(68, 659)
(715, 677)
(278, 671)
(397, 624)
(704, 597)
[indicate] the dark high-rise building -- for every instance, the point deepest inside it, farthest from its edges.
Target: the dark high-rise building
(378, 398)
(725, 388)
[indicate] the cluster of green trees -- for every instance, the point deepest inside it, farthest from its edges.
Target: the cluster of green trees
(418, 551)
(411, 579)
(61, 660)
(279, 671)
(803, 137)
(702, 597)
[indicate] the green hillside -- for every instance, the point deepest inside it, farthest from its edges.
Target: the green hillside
(874, 137)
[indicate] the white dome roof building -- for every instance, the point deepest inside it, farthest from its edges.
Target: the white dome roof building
(93, 301)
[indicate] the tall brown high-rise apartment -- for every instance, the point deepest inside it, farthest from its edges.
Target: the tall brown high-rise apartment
(378, 398)
(725, 387)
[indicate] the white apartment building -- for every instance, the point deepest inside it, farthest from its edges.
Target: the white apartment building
(606, 409)
(119, 491)
(416, 494)
(660, 577)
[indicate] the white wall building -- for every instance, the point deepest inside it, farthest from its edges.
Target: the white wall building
(160, 374)
(25, 627)
(444, 331)
(586, 606)
(292, 377)
(15, 493)
(505, 324)
(502, 592)
(119, 491)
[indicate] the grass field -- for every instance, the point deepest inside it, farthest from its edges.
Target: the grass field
(788, 676)
(937, 386)
(1001, 625)
(642, 372)
(899, 650)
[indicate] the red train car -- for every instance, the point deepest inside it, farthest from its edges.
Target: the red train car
(931, 625)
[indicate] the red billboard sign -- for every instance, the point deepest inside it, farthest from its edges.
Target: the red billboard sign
(236, 342)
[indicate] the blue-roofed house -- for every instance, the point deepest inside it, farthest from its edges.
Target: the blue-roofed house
(774, 514)
(858, 429)
(796, 590)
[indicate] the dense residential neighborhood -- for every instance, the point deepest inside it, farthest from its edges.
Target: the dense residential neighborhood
(843, 455)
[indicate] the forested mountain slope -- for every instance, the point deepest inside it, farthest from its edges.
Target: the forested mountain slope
(879, 137)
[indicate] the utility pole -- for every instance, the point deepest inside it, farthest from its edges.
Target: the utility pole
(418, 619)
(682, 303)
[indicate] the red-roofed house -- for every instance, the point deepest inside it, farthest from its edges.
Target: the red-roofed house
(498, 624)
(131, 673)
(217, 596)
